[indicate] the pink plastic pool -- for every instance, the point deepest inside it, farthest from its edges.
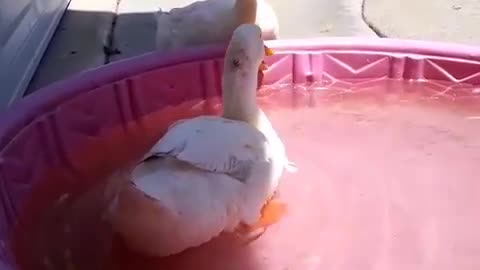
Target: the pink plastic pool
(385, 134)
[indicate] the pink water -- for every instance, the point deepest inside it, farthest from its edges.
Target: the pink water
(388, 179)
(384, 183)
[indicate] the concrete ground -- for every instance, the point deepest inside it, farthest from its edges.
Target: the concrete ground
(440, 20)
(95, 32)
(78, 43)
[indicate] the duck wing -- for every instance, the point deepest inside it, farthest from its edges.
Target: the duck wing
(215, 144)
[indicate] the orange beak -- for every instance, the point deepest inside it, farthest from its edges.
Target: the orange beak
(268, 52)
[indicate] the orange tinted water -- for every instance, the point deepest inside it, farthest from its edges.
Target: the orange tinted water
(387, 180)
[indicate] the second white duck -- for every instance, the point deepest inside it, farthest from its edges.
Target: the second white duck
(212, 21)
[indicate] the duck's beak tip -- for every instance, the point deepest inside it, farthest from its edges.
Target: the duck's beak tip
(268, 51)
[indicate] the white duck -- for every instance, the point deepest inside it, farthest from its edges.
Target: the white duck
(209, 174)
(212, 21)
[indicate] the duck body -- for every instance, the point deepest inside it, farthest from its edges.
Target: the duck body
(212, 21)
(208, 174)
(198, 187)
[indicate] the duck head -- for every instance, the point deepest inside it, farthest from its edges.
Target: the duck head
(244, 62)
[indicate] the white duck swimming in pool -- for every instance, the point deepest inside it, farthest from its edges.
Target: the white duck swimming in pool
(212, 21)
(209, 174)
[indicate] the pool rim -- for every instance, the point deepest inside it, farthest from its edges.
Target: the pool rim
(26, 110)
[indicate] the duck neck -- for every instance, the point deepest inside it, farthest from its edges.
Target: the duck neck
(246, 11)
(240, 96)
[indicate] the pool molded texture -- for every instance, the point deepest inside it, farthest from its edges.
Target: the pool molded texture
(63, 114)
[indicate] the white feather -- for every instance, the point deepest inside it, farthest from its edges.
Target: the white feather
(215, 144)
(207, 22)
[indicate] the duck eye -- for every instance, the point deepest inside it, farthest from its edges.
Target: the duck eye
(236, 62)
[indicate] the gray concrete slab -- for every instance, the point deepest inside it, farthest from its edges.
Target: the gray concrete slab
(439, 20)
(134, 34)
(135, 26)
(78, 43)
